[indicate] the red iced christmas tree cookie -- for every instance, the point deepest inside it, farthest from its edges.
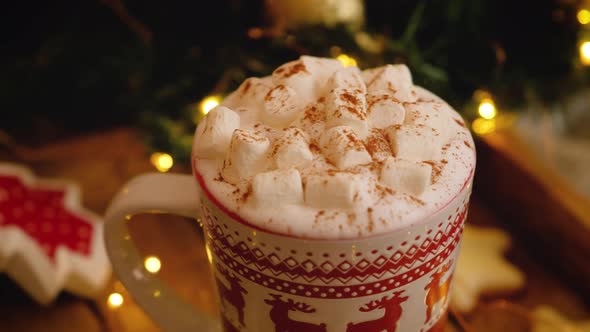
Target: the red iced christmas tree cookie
(48, 241)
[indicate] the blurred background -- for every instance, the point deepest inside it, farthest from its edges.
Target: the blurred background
(101, 90)
(76, 66)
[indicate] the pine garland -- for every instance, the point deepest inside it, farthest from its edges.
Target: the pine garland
(128, 63)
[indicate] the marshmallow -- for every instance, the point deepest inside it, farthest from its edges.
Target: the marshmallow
(406, 176)
(277, 188)
(342, 147)
(250, 94)
(396, 79)
(433, 115)
(335, 190)
(346, 107)
(377, 146)
(312, 120)
(321, 69)
(292, 149)
(414, 142)
(281, 106)
(307, 76)
(384, 110)
(215, 137)
(347, 78)
(246, 156)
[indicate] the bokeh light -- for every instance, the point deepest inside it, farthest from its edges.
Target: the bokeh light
(115, 300)
(209, 103)
(483, 126)
(347, 61)
(585, 53)
(162, 161)
(152, 264)
(583, 16)
(487, 109)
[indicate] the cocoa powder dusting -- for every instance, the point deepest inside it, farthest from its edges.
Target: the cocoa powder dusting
(416, 200)
(246, 136)
(371, 224)
(353, 142)
(351, 217)
(323, 216)
(246, 194)
(292, 70)
(356, 112)
(312, 115)
(314, 148)
(460, 123)
(247, 86)
(378, 98)
(349, 98)
(377, 145)
(383, 191)
(436, 170)
(276, 147)
(391, 87)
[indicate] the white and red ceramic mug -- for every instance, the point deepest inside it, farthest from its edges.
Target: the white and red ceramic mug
(398, 281)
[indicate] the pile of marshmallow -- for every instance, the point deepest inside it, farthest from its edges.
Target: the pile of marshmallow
(318, 102)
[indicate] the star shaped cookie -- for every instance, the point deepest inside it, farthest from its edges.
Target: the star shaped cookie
(48, 241)
(547, 319)
(482, 269)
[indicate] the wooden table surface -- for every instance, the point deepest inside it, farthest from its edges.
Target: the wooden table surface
(103, 162)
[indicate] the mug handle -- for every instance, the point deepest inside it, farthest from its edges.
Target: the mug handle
(153, 193)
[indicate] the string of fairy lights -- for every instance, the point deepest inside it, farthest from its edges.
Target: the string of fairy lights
(488, 119)
(583, 17)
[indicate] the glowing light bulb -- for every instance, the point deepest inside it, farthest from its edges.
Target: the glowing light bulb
(487, 109)
(209, 103)
(583, 16)
(115, 300)
(347, 61)
(585, 53)
(162, 161)
(152, 264)
(483, 126)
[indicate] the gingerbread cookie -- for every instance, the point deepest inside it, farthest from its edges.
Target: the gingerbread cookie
(482, 268)
(547, 319)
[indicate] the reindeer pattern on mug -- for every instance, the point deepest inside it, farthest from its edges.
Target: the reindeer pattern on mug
(279, 315)
(267, 283)
(387, 322)
(233, 295)
(436, 290)
(279, 312)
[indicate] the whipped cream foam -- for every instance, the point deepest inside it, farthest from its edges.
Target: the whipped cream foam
(317, 150)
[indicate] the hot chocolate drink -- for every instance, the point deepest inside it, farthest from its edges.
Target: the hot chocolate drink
(320, 151)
